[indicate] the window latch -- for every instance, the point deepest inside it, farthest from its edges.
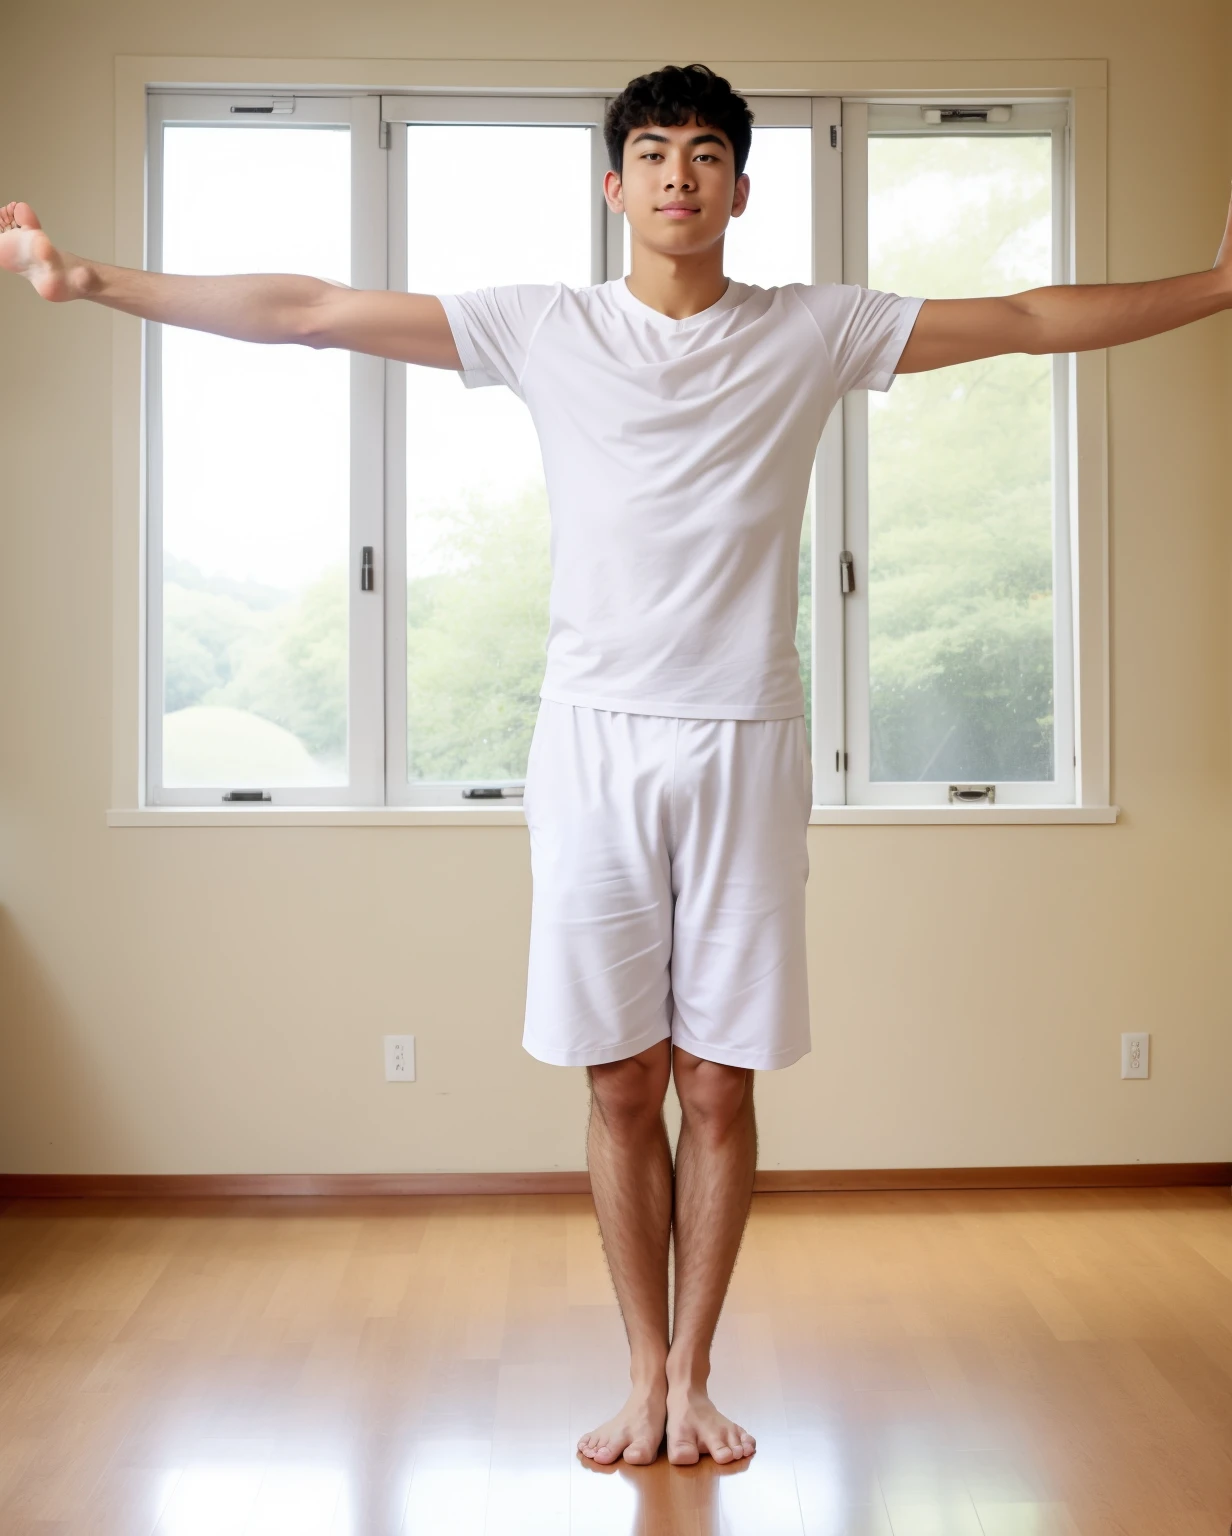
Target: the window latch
(367, 579)
(493, 792)
(846, 572)
(973, 794)
(938, 115)
(244, 795)
(276, 106)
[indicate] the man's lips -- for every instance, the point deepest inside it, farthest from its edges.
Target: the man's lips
(678, 210)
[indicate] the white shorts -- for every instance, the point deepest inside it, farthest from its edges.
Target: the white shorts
(668, 860)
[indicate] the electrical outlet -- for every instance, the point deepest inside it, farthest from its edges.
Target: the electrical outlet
(399, 1058)
(1136, 1055)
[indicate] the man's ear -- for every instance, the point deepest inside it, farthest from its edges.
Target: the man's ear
(613, 192)
(740, 197)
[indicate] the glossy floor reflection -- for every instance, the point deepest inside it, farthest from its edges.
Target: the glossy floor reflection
(985, 1364)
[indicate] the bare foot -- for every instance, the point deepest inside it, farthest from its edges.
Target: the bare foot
(635, 1433)
(696, 1428)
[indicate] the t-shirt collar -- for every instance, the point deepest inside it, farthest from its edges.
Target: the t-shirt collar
(728, 299)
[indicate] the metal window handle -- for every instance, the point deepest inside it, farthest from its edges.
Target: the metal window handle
(973, 794)
(846, 572)
(367, 579)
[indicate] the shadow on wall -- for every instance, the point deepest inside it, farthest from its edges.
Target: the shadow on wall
(52, 1099)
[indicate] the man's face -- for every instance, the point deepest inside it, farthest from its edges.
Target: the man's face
(678, 188)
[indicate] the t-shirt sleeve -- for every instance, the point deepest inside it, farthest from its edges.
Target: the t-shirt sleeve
(493, 329)
(864, 331)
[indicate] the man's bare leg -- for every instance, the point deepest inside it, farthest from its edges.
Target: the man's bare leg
(630, 1163)
(716, 1157)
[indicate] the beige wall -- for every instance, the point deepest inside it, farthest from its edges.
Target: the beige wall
(186, 1000)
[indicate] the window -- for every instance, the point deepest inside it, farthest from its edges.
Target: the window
(469, 652)
(261, 657)
(958, 640)
(277, 475)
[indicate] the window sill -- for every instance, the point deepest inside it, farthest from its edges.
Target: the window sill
(960, 815)
(318, 816)
(511, 816)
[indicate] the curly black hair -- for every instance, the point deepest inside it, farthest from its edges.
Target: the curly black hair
(671, 96)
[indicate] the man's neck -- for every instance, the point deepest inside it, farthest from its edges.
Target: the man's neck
(677, 286)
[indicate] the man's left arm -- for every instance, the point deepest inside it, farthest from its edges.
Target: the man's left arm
(1065, 318)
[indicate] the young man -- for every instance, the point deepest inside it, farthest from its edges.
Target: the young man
(668, 787)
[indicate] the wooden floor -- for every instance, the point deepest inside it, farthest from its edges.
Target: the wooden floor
(1053, 1363)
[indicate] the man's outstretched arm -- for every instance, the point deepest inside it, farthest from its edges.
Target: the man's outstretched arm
(1067, 318)
(273, 307)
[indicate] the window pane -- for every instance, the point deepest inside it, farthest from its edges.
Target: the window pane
(771, 243)
(256, 450)
(477, 520)
(960, 475)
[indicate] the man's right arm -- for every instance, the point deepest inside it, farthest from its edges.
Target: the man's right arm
(271, 308)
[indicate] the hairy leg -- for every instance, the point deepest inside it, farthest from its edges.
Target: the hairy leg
(631, 1180)
(716, 1157)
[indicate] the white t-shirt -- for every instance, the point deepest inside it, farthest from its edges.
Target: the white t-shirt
(677, 455)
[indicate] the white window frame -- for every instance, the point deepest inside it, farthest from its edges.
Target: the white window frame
(860, 120)
(397, 112)
(365, 707)
(1082, 83)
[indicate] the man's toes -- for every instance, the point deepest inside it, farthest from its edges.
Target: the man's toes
(722, 1452)
(640, 1452)
(683, 1453)
(606, 1454)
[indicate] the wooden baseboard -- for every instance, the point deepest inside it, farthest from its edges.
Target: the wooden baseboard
(177, 1186)
(1047, 1176)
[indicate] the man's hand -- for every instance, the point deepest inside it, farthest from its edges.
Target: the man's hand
(26, 250)
(1067, 318)
(264, 307)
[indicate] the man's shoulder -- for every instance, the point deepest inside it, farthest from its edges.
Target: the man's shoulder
(784, 298)
(564, 299)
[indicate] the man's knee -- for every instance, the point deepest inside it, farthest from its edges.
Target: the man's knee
(713, 1097)
(631, 1092)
